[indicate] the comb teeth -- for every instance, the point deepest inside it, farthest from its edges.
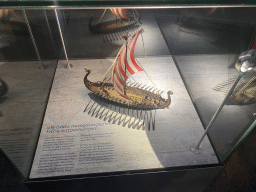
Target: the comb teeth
(150, 88)
(128, 83)
(147, 87)
(137, 119)
(135, 84)
(138, 85)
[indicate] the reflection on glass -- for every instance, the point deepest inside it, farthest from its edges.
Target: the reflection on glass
(114, 22)
(24, 88)
(203, 44)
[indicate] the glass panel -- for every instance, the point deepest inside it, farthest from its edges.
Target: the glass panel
(236, 116)
(192, 48)
(84, 133)
(206, 44)
(25, 81)
(99, 3)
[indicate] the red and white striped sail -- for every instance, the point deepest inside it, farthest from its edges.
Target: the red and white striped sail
(125, 61)
(120, 12)
(4, 13)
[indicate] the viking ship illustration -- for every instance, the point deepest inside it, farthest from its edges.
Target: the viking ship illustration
(125, 20)
(118, 90)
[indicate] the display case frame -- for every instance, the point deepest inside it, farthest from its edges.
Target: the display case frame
(66, 5)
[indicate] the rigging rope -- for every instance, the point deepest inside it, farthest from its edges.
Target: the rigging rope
(147, 64)
(135, 16)
(102, 15)
(144, 70)
(114, 61)
(246, 85)
(136, 60)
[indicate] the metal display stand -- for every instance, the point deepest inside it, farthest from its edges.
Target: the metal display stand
(32, 38)
(245, 63)
(68, 66)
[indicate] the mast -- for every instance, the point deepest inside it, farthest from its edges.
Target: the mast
(125, 64)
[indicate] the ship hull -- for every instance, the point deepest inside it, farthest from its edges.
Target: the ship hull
(111, 26)
(136, 97)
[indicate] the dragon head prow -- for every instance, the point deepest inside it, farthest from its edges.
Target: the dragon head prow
(168, 101)
(169, 92)
(87, 69)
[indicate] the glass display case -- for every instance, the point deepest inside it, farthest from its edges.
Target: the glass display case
(111, 88)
